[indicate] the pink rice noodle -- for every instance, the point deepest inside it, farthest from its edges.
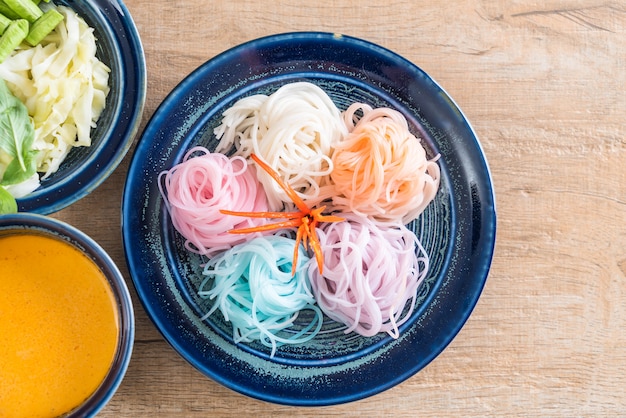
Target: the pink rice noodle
(199, 187)
(371, 272)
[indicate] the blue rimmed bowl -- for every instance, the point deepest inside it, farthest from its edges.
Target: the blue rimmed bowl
(30, 223)
(85, 168)
(457, 229)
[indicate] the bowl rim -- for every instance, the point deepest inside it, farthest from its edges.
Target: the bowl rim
(55, 228)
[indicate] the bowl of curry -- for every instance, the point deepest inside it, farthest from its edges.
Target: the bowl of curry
(66, 320)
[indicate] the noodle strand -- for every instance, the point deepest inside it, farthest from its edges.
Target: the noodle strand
(196, 189)
(381, 169)
(371, 273)
(254, 289)
(294, 130)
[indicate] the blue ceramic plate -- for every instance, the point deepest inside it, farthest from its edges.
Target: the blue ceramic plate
(457, 229)
(85, 168)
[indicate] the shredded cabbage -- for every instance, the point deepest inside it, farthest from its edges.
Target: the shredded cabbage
(63, 85)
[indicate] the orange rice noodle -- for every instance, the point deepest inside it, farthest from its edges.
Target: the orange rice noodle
(199, 187)
(371, 273)
(293, 130)
(380, 168)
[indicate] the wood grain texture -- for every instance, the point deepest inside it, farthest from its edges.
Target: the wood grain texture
(543, 84)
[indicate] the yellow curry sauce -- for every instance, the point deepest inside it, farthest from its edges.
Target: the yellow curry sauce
(58, 326)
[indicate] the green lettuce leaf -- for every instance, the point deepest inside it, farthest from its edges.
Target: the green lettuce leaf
(16, 137)
(15, 172)
(7, 202)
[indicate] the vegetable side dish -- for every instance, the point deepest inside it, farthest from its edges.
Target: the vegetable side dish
(49, 65)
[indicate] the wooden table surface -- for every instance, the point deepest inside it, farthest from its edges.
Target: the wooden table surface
(543, 84)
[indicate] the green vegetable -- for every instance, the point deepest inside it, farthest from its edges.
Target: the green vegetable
(12, 37)
(43, 26)
(7, 202)
(7, 11)
(38, 24)
(16, 138)
(4, 23)
(25, 9)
